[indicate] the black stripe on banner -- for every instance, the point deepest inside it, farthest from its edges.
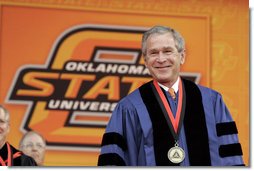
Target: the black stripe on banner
(226, 128)
(114, 138)
(230, 150)
(112, 159)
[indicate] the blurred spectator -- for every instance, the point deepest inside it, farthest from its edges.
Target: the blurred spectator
(33, 144)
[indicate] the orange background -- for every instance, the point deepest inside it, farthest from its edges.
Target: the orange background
(29, 29)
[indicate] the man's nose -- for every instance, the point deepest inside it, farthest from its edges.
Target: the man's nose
(34, 148)
(161, 57)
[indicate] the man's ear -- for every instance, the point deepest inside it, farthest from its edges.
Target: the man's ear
(182, 56)
(145, 60)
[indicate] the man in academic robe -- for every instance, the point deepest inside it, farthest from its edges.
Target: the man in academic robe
(170, 121)
(9, 155)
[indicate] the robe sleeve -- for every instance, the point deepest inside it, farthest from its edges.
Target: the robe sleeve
(120, 141)
(229, 147)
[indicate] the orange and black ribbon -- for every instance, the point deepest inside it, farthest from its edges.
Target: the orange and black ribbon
(175, 122)
(10, 156)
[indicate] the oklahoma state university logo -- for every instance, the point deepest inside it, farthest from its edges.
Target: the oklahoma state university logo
(89, 70)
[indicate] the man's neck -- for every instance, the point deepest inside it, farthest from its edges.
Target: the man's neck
(173, 85)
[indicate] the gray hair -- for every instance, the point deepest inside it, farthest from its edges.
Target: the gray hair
(179, 40)
(6, 113)
(28, 134)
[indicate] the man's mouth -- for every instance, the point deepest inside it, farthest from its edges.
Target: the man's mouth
(162, 67)
(35, 155)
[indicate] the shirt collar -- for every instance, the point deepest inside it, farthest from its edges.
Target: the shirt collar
(175, 86)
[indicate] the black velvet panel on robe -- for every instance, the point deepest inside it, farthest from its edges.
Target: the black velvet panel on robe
(194, 125)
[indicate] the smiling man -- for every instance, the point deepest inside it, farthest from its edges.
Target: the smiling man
(170, 121)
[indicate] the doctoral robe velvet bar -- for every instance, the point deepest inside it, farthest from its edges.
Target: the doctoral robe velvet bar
(138, 134)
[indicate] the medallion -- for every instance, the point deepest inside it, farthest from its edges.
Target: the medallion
(176, 154)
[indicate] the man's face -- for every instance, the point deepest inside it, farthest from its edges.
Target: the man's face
(162, 58)
(34, 146)
(4, 127)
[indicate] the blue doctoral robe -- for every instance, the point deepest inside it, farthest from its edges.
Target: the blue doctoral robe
(138, 133)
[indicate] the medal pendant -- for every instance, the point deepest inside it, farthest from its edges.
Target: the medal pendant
(176, 154)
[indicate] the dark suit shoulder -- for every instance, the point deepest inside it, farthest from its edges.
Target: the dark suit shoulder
(22, 160)
(27, 161)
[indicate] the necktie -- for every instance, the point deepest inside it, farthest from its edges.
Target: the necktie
(172, 93)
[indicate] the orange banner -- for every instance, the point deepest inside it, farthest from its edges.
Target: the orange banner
(65, 66)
